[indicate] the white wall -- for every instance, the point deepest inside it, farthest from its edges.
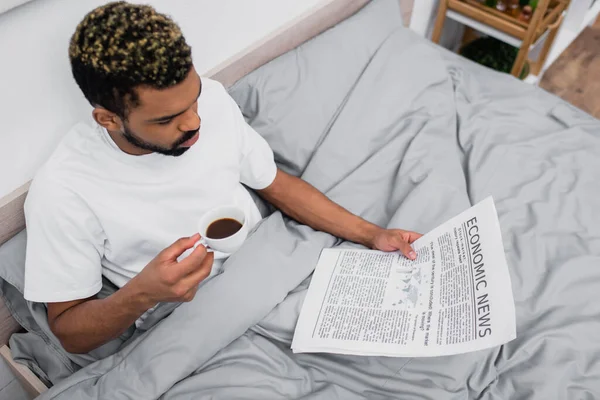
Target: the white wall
(39, 101)
(6, 5)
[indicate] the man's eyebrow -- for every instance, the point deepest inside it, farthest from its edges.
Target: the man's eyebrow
(168, 117)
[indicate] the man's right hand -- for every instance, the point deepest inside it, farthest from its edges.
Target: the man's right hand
(165, 279)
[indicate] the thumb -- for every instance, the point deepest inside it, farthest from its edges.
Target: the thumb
(404, 248)
(179, 247)
(195, 260)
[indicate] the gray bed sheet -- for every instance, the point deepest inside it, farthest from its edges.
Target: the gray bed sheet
(409, 138)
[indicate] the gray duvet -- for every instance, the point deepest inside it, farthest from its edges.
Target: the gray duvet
(407, 135)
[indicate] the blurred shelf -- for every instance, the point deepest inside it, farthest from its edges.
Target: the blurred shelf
(525, 35)
(491, 31)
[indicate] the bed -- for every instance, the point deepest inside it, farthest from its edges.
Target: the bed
(406, 135)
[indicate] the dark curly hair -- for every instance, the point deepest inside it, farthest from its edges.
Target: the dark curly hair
(120, 46)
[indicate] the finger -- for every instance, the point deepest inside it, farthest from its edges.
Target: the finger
(412, 236)
(201, 273)
(180, 246)
(404, 247)
(189, 296)
(202, 270)
(193, 261)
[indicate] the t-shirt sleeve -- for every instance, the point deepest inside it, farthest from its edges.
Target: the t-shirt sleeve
(257, 163)
(65, 245)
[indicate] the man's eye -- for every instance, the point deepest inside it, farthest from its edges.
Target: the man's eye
(165, 122)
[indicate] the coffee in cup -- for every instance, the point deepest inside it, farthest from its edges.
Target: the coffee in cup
(223, 229)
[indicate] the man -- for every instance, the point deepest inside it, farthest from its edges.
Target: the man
(166, 147)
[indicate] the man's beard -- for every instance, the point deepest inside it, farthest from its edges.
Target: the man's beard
(174, 150)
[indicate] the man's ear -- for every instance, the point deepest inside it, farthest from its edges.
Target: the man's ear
(108, 119)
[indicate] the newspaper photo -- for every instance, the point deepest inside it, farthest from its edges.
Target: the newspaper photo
(456, 297)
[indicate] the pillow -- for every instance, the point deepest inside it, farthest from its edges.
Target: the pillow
(292, 100)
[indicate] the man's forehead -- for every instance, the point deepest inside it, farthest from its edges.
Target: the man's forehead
(173, 100)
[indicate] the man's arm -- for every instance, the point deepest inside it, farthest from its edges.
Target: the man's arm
(86, 324)
(307, 205)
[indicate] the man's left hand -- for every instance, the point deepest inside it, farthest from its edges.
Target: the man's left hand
(396, 240)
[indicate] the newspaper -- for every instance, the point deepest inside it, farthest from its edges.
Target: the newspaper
(456, 297)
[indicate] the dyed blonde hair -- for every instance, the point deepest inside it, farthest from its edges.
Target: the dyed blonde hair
(120, 46)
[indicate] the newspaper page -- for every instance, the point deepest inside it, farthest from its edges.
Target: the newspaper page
(456, 297)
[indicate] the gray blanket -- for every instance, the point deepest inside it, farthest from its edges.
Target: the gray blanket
(419, 137)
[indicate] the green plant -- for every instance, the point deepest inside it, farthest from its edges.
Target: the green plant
(523, 3)
(493, 54)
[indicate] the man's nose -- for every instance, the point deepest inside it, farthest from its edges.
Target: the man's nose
(190, 122)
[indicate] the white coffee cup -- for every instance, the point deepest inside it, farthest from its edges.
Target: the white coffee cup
(223, 247)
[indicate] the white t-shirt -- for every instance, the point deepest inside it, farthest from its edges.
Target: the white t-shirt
(94, 210)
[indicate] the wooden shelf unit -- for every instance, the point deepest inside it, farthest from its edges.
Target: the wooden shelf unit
(544, 24)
